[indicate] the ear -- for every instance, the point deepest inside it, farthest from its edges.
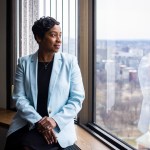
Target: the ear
(38, 39)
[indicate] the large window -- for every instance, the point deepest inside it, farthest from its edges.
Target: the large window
(65, 11)
(122, 69)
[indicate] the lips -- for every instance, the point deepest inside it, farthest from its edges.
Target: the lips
(57, 46)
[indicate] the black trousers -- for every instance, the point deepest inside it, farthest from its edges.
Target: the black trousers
(32, 139)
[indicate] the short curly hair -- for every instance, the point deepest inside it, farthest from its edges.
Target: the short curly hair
(43, 25)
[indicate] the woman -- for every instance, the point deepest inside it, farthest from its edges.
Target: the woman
(48, 93)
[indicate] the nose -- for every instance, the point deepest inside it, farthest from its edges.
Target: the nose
(59, 39)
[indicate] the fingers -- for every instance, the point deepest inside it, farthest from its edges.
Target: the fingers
(54, 136)
(42, 119)
(49, 136)
(43, 122)
(46, 121)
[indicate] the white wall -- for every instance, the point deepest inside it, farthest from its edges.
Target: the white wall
(3, 54)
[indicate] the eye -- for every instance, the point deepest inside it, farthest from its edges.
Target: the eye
(53, 35)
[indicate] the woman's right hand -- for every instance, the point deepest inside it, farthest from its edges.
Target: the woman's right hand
(49, 135)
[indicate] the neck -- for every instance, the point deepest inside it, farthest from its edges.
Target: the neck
(45, 56)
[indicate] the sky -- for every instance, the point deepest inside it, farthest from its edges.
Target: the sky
(123, 19)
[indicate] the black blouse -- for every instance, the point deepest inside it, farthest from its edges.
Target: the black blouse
(44, 73)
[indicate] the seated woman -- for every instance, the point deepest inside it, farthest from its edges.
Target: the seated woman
(48, 92)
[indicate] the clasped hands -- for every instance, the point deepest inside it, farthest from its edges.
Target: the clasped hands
(45, 127)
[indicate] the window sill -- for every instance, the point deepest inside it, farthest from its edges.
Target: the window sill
(87, 141)
(106, 138)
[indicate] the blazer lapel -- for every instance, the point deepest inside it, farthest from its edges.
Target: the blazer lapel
(33, 77)
(54, 75)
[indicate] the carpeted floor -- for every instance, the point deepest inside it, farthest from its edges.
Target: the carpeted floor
(3, 131)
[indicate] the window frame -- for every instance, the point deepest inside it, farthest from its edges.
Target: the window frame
(11, 55)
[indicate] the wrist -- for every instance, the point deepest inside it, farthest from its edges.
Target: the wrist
(54, 123)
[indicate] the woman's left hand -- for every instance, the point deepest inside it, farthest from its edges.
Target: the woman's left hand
(47, 122)
(46, 126)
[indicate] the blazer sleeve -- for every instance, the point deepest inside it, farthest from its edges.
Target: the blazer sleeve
(75, 99)
(23, 104)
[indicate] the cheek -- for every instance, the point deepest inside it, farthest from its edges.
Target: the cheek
(50, 41)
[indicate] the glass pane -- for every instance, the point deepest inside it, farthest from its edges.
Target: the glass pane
(65, 26)
(53, 8)
(64, 11)
(72, 30)
(41, 8)
(28, 12)
(59, 15)
(47, 7)
(122, 69)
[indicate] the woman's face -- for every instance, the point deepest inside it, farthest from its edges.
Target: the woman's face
(51, 41)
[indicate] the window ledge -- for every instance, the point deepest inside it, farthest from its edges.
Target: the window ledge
(87, 141)
(106, 138)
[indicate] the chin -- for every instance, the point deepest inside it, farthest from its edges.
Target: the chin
(55, 51)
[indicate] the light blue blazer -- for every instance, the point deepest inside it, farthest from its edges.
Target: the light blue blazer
(65, 95)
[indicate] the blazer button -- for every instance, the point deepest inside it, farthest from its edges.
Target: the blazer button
(49, 111)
